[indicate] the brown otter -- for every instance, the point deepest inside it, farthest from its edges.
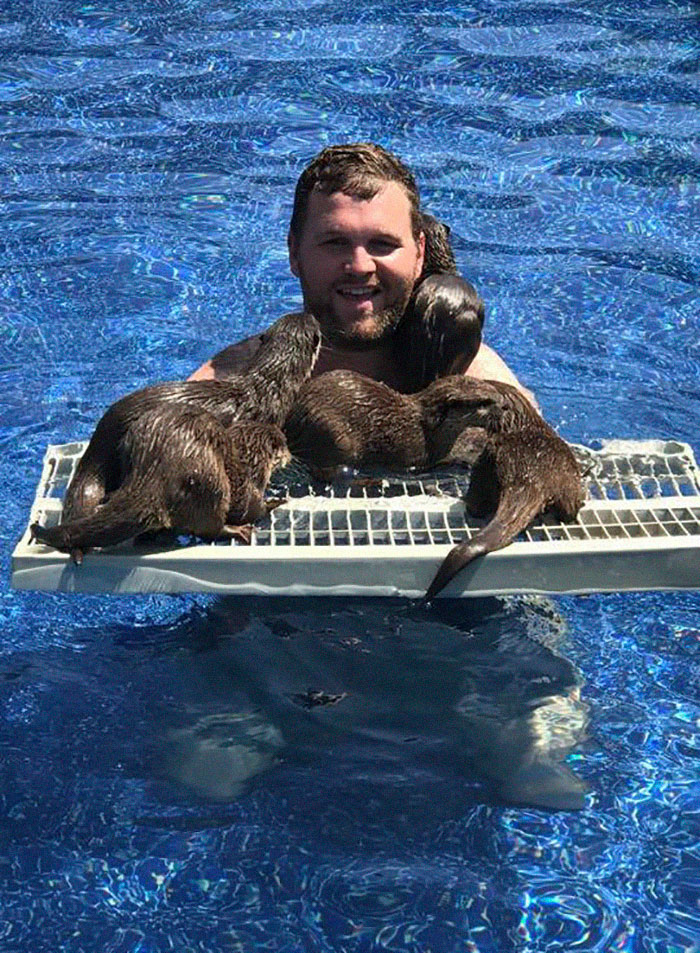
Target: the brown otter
(264, 391)
(520, 463)
(440, 333)
(523, 469)
(184, 471)
(342, 418)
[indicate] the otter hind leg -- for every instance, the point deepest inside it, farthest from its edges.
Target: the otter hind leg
(56, 537)
(483, 492)
(198, 502)
(323, 440)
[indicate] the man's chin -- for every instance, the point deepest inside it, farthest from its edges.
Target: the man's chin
(365, 332)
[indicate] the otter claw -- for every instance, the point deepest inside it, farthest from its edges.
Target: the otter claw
(39, 533)
(242, 533)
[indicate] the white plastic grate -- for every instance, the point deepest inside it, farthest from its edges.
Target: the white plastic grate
(639, 529)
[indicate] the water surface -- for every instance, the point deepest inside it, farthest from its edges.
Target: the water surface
(234, 774)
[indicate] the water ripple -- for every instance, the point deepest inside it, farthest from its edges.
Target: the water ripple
(341, 42)
(159, 787)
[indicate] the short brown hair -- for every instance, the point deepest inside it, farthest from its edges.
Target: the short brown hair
(358, 169)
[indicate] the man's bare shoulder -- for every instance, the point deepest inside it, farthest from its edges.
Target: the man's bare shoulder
(488, 365)
(230, 360)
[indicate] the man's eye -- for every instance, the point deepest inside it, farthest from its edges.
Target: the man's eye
(334, 242)
(383, 247)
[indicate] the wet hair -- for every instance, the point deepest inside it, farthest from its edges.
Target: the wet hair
(357, 169)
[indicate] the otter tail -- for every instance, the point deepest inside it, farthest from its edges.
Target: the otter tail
(517, 508)
(117, 519)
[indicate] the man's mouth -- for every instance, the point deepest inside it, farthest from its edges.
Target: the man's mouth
(358, 292)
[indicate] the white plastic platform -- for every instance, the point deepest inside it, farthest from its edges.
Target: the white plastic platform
(639, 529)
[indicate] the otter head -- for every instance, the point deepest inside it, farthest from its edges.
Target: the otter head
(289, 348)
(458, 401)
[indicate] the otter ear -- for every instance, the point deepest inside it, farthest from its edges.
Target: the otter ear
(434, 415)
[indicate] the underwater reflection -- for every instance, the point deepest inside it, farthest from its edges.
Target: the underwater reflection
(378, 692)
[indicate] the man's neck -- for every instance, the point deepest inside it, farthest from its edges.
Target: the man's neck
(378, 362)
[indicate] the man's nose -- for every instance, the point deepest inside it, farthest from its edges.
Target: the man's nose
(360, 261)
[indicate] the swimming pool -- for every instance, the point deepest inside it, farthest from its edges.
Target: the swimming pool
(193, 773)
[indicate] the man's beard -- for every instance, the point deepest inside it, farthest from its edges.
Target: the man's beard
(384, 325)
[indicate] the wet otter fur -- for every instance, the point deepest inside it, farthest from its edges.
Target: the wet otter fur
(342, 418)
(183, 471)
(263, 391)
(523, 469)
(440, 333)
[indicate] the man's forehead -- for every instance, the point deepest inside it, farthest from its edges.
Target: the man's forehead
(389, 208)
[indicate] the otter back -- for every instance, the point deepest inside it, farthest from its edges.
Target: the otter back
(264, 392)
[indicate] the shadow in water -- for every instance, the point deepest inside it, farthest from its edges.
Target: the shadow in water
(374, 698)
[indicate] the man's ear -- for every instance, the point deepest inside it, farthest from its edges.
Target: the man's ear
(292, 248)
(421, 252)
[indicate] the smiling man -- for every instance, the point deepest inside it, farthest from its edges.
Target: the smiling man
(356, 244)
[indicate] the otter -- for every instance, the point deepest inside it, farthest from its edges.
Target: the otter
(523, 469)
(183, 470)
(342, 418)
(440, 332)
(264, 390)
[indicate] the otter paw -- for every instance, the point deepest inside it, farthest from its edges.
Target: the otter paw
(243, 534)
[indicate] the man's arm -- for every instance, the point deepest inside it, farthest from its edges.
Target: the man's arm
(487, 365)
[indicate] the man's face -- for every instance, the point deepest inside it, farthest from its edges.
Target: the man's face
(357, 261)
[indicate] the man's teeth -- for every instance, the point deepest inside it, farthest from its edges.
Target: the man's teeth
(357, 292)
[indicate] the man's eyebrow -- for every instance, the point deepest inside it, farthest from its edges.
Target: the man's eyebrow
(388, 236)
(332, 231)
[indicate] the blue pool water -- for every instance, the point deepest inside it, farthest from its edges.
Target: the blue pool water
(166, 780)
